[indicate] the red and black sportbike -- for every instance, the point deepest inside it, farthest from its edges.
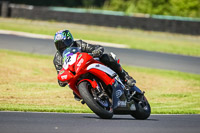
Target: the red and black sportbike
(100, 87)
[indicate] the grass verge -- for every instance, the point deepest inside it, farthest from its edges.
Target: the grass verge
(28, 83)
(136, 39)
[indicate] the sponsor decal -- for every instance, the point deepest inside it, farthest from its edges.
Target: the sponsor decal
(116, 84)
(121, 103)
(80, 55)
(64, 77)
(61, 72)
(118, 93)
(80, 62)
(97, 65)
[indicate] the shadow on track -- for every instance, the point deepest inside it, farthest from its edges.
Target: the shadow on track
(93, 117)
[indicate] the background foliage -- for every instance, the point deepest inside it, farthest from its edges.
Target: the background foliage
(66, 3)
(186, 8)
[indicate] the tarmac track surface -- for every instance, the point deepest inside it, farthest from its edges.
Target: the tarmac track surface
(20, 122)
(127, 56)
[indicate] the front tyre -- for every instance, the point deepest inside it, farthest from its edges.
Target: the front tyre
(85, 91)
(143, 109)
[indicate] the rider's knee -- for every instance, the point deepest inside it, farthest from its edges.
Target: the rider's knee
(107, 59)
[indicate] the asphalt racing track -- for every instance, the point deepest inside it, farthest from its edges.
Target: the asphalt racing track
(27, 122)
(20, 122)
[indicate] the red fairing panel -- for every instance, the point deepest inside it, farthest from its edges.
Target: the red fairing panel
(65, 75)
(102, 75)
(82, 60)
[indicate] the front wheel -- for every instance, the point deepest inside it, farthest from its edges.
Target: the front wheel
(102, 107)
(143, 109)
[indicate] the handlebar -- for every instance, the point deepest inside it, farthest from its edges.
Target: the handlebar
(91, 54)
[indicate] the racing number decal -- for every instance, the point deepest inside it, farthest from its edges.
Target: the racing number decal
(69, 61)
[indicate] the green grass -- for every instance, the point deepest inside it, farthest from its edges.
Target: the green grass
(28, 83)
(136, 39)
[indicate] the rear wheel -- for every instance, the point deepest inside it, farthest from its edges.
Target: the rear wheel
(98, 103)
(143, 109)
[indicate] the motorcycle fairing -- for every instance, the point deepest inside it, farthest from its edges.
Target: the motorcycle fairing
(69, 62)
(81, 61)
(118, 96)
(102, 75)
(120, 103)
(64, 75)
(102, 68)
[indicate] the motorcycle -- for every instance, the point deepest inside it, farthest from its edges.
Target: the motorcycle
(100, 87)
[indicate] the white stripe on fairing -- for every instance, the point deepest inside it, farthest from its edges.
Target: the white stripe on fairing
(102, 68)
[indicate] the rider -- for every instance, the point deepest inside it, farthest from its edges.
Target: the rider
(64, 39)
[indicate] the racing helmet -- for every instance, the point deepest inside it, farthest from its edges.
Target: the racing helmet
(63, 39)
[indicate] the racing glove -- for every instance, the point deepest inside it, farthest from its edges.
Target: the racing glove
(97, 52)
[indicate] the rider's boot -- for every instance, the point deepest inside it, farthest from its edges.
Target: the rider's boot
(126, 78)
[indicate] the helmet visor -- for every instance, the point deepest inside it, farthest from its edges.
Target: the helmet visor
(60, 46)
(68, 42)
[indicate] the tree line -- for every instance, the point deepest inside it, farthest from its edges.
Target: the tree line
(186, 8)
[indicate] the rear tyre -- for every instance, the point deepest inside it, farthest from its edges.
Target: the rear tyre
(85, 91)
(143, 109)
